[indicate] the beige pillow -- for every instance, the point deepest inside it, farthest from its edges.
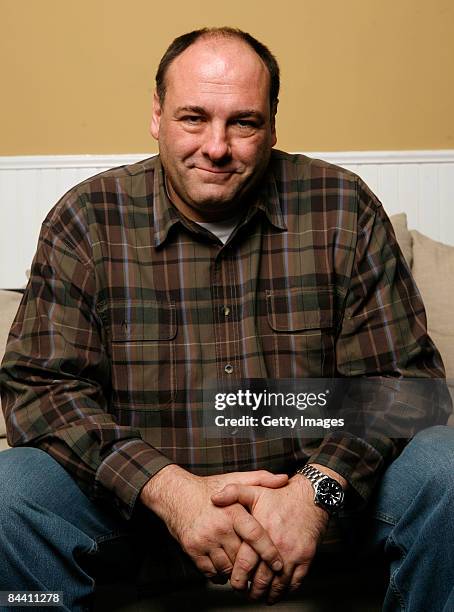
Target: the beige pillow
(433, 270)
(9, 303)
(403, 236)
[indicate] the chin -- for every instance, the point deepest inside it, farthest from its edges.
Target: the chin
(212, 201)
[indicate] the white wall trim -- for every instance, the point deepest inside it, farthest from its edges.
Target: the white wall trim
(386, 157)
(38, 162)
(55, 162)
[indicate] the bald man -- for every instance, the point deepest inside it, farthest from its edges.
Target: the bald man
(219, 259)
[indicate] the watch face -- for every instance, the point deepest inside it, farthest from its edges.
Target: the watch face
(329, 494)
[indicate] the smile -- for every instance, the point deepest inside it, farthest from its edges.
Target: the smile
(215, 170)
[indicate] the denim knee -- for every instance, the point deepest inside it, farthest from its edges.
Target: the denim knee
(21, 473)
(436, 446)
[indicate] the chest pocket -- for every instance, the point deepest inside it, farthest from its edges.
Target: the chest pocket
(301, 336)
(141, 337)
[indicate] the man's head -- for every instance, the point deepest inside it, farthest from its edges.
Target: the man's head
(213, 115)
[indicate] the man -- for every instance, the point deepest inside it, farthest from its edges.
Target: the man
(220, 259)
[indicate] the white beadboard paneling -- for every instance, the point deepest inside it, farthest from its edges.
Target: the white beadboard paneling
(388, 187)
(446, 183)
(11, 255)
(420, 183)
(429, 203)
(408, 192)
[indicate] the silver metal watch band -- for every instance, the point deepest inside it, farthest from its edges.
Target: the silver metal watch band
(312, 473)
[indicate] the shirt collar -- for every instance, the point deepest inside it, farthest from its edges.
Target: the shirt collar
(166, 215)
(267, 200)
(164, 212)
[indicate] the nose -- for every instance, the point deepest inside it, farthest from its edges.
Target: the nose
(216, 145)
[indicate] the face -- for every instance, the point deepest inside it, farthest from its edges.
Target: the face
(215, 129)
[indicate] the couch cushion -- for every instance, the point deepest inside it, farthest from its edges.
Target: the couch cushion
(9, 303)
(403, 236)
(433, 270)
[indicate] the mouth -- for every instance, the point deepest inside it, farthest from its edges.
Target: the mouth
(215, 170)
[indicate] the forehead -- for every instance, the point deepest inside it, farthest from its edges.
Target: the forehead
(222, 66)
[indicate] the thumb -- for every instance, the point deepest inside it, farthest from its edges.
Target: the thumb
(261, 478)
(245, 495)
(272, 481)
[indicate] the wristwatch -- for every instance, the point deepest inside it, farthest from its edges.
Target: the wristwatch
(328, 493)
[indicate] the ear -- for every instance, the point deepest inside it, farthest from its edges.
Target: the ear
(273, 124)
(155, 117)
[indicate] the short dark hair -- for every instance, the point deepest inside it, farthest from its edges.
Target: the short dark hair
(181, 43)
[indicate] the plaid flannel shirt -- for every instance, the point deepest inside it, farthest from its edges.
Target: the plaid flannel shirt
(131, 308)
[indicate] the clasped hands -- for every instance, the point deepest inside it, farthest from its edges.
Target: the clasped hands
(252, 527)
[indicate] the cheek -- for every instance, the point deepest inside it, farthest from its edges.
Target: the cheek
(252, 153)
(176, 143)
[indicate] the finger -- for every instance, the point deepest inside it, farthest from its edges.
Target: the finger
(261, 582)
(298, 577)
(236, 493)
(231, 543)
(260, 478)
(221, 561)
(279, 586)
(205, 565)
(245, 563)
(250, 530)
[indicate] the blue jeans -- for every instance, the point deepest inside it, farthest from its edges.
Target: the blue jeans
(413, 520)
(53, 538)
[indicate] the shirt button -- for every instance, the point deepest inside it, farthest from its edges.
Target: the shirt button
(226, 311)
(228, 368)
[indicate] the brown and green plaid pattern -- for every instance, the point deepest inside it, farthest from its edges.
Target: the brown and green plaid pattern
(131, 309)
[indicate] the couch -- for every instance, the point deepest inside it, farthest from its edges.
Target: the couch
(432, 264)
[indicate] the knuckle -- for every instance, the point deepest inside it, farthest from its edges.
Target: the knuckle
(189, 548)
(244, 564)
(222, 530)
(254, 530)
(192, 544)
(262, 582)
(279, 587)
(231, 488)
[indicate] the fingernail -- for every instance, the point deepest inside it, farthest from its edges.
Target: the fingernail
(277, 566)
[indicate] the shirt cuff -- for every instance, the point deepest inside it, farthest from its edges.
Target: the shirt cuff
(127, 469)
(360, 462)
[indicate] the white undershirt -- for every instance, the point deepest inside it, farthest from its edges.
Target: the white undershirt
(222, 229)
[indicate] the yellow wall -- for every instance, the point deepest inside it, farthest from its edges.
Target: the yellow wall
(77, 75)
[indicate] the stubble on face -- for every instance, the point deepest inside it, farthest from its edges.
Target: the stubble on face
(215, 129)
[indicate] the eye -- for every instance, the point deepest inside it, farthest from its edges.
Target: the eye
(192, 119)
(246, 123)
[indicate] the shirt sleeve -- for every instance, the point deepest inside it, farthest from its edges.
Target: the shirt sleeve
(55, 375)
(383, 334)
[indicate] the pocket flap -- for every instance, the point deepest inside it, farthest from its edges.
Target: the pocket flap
(297, 309)
(135, 321)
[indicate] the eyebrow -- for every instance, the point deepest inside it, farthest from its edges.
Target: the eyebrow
(240, 114)
(190, 109)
